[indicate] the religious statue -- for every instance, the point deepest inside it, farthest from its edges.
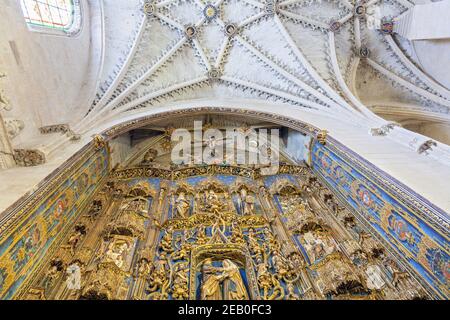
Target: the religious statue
(159, 279)
(280, 264)
(271, 241)
(234, 285)
(212, 199)
(236, 233)
(117, 252)
(211, 279)
(180, 289)
(183, 251)
(247, 202)
(144, 268)
(317, 245)
(220, 283)
(263, 276)
(182, 206)
(201, 235)
(166, 241)
(149, 157)
(255, 248)
(215, 208)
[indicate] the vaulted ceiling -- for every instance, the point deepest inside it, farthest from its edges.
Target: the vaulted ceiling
(318, 55)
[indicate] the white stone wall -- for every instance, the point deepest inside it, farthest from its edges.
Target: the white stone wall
(432, 59)
(437, 131)
(48, 76)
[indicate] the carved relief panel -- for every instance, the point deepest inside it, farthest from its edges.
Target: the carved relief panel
(222, 236)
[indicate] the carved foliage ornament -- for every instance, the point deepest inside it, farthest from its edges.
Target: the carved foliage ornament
(28, 158)
(149, 8)
(322, 136)
(13, 127)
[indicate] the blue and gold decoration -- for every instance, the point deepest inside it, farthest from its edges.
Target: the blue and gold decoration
(422, 242)
(325, 231)
(41, 222)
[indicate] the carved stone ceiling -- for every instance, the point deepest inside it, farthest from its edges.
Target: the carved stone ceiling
(308, 54)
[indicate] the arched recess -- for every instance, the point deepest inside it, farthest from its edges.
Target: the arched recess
(356, 183)
(433, 125)
(350, 176)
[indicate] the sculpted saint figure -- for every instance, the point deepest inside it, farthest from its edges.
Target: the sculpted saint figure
(236, 233)
(201, 235)
(182, 206)
(279, 263)
(158, 277)
(117, 252)
(213, 201)
(234, 286)
(222, 282)
(318, 245)
(180, 289)
(247, 202)
(144, 267)
(211, 278)
(183, 251)
(166, 241)
(255, 248)
(263, 276)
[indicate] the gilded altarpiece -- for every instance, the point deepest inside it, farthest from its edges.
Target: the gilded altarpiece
(37, 225)
(220, 232)
(417, 233)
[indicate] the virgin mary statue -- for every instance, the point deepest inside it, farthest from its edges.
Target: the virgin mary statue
(234, 288)
(222, 283)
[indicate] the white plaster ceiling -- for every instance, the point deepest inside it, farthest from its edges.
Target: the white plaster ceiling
(282, 51)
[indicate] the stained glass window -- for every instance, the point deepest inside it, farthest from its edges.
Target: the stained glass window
(55, 14)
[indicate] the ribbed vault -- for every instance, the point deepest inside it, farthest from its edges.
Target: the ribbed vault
(318, 55)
